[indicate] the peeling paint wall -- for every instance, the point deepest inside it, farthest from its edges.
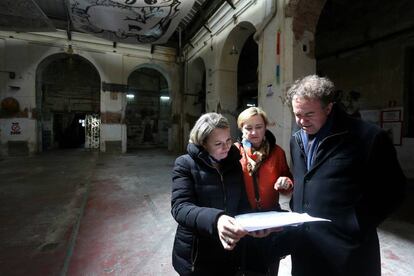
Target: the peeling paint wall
(22, 52)
(232, 28)
(367, 52)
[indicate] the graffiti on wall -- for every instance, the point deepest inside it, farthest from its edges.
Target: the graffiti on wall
(15, 128)
(129, 21)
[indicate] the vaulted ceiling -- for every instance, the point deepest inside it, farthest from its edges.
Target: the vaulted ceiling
(49, 15)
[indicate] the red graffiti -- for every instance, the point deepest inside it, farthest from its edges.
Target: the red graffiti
(15, 129)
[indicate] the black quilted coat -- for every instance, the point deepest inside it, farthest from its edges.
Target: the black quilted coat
(200, 194)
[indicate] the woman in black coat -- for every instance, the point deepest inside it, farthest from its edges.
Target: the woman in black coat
(207, 192)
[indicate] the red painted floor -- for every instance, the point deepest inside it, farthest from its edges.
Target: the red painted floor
(126, 228)
(83, 213)
(40, 199)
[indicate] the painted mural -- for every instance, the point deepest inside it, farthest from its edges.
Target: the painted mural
(129, 21)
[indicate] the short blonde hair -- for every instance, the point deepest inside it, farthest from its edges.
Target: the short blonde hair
(205, 126)
(250, 112)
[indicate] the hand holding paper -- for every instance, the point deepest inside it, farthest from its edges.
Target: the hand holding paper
(264, 220)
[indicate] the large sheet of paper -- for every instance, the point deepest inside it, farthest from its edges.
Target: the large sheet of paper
(272, 219)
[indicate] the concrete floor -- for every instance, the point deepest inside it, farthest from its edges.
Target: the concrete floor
(74, 212)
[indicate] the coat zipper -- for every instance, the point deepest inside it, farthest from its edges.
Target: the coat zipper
(194, 253)
(223, 188)
(224, 191)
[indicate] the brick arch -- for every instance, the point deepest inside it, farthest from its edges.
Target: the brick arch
(305, 15)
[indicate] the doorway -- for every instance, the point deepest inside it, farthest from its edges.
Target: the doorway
(68, 91)
(148, 110)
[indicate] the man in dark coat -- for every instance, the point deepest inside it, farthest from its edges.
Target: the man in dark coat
(345, 170)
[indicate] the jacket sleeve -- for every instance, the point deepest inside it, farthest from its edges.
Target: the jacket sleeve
(385, 183)
(184, 205)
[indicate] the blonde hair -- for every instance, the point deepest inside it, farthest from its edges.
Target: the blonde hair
(250, 112)
(205, 126)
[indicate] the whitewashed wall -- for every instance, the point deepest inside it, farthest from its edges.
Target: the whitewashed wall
(22, 53)
(18, 130)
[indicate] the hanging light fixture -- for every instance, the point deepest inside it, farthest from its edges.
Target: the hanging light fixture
(69, 50)
(234, 50)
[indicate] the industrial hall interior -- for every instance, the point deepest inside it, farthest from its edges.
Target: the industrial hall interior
(98, 98)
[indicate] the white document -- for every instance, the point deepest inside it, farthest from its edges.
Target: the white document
(271, 219)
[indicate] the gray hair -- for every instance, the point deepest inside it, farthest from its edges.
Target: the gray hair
(313, 87)
(205, 126)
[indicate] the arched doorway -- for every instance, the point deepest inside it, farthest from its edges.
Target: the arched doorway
(68, 90)
(239, 47)
(148, 109)
(247, 81)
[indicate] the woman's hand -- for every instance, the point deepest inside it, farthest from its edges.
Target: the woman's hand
(229, 231)
(283, 183)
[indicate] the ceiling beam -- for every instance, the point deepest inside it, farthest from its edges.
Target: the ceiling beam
(230, 2)
(201, 18)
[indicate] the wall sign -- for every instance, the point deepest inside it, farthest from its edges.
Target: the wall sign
(129, 21)
(15, 128)
(391, 115)
(391, 122)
